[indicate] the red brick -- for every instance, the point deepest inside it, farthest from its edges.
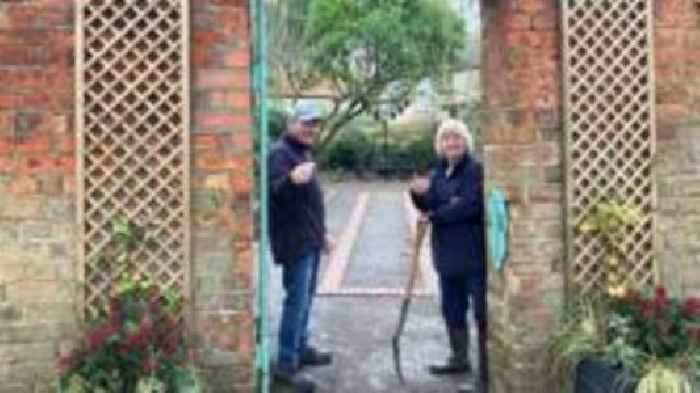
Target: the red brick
(672, 93)
(674, 13)
(216, 120)
(665, 132)
(207, 38)
(242, 163)
(676, 73)
(212, 162)
(239, 58)
(67, 163)
(24, 185)
(7, 146)
(69, 184)
(7, 124)
(533, 6)
(669, 56)
(242, 184)
(517, 21)
(38, 15)
(231, 100)
(669, 37)
(200, 57)
(520, 38)
(692, 39)
(38, 143)
(234, 22)
(19, 55)
(242, 140)
(9, 101)
(205, 141)
(213, 78)
(229, 3)
(244, 229)
(672, 113)
(38, 164)
(7, 164)
(545, 20)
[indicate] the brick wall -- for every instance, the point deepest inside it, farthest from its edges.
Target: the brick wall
(522, 145)
(37, 197)
(222, 179)
(38, 200)
(522, 134)
(677, 39)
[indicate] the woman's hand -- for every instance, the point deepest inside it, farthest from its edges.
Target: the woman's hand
(420, 185)
(328, 244)
(423, 218)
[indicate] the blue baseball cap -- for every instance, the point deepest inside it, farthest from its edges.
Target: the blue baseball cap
(307, 111)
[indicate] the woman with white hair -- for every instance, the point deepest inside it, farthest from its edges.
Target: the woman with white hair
(452, 199)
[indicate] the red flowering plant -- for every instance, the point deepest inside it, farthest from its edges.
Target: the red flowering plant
(657, 324)
(136, 344)
(647, 330)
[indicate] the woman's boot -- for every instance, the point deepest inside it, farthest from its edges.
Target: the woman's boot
(482, 380)
(458, 363)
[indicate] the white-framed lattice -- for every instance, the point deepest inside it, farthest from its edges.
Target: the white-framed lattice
(132, 115)
(610, 131)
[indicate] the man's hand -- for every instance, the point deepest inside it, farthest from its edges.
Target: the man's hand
(420, 185)
(302, 173)
(328, 244)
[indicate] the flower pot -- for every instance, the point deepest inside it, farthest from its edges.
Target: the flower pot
(595, 376)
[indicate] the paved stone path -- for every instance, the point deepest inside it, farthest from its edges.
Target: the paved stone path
(361, 282)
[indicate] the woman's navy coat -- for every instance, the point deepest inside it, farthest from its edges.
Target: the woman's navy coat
(455, 207)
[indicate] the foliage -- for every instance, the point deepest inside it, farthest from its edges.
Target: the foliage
(663, 379)
(359, 152)
(367, 51)
(609, 220)
(654, 337)
(657, 325)
(581, 334)
(352, 151)
(287, 60)
(138, 343)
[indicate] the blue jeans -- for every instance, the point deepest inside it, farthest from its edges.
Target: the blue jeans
(299, 279)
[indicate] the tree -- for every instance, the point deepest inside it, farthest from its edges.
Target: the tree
(286, 48)
(369, 52)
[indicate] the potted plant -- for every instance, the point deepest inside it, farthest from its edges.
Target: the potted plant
(641, 342)
(624, 340)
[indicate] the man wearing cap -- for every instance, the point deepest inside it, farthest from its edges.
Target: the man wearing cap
(298, 236)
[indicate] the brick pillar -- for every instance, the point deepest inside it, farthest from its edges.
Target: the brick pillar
(677, 41)
(38, 249)
(37, 198)
(222, 180)
(522, 136)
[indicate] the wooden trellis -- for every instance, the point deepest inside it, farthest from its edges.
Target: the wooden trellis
(132, 117)
(609, 106)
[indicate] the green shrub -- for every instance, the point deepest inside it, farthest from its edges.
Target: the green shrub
(351, 151)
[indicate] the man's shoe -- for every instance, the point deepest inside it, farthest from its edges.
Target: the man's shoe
(301, 382)
(314, 357)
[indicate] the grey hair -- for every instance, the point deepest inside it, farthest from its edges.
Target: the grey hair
(452, 126)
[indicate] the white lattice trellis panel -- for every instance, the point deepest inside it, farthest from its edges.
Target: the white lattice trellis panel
(609, 105)
(132, 118)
